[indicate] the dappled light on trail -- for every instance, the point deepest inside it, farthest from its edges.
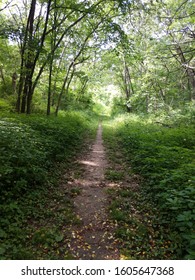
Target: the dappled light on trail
(90, 163)
(93, 238)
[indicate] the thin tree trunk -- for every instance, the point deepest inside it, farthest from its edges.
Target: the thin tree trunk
(53, 43)
(63, 88)
(147, 102)
(23, 104)
(49, 89)
(84, 86)
(22, 71)
(29, 97)
(127, 84)
(2, 75)
(56, 76)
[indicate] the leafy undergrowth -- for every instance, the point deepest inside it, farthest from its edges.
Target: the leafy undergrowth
(36, 211)
(157, 219)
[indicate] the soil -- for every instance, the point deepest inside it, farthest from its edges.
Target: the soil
(93, 238)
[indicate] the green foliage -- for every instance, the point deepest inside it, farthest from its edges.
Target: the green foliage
(4, 105)
(164, 156)
(31, 148)
(30, 145)
(114, 175)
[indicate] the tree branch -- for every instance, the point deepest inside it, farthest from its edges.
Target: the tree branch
(188, 66)
(2, 9)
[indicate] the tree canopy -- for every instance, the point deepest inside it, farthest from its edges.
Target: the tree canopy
(123, 55)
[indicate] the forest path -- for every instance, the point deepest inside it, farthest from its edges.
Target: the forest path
(93, 238)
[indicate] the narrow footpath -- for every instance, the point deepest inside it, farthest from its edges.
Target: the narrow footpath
(93, 238)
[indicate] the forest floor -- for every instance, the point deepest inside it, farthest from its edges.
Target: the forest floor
(93, 238)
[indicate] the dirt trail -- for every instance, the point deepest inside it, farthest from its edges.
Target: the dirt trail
(93, 239)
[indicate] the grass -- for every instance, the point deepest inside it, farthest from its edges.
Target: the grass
(114, 175)
(36, 153)
(164, 158)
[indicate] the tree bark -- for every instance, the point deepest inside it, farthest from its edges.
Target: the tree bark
(2, 75)
(29, 52)
(49, 88)
(128, 86)
(14, 79)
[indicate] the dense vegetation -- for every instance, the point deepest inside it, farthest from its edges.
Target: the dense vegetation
(105, 57)
(163, 154)
(34, 151)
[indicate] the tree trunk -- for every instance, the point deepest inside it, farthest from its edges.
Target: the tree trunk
(147, 102)
(22, 75)
(29, 101)
(32, 54)
(14, 79)
(53, 43)
(128, 86)
(29, 96)
(84, 86)
(26, 67)
(49, 89)
(62, 90)
(23, 105)
(18, 103)
(2, 75)
(190, 72)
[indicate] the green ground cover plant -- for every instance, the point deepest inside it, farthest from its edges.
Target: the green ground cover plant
(165, 158)
(34, 152)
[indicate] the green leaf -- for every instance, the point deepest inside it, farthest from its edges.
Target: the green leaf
(2, 251)
(59, 238)
(2, 234)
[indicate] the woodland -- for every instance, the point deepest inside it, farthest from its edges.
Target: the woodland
(67, 65)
